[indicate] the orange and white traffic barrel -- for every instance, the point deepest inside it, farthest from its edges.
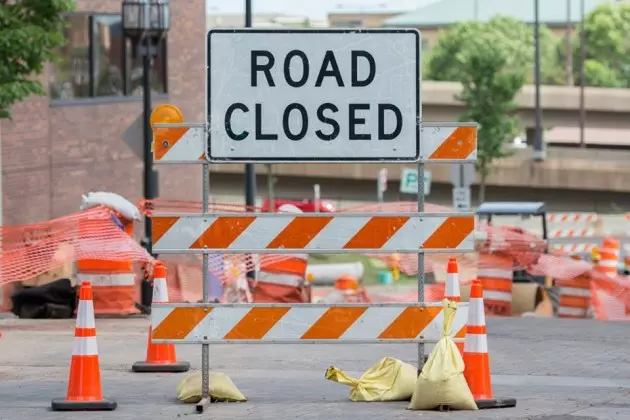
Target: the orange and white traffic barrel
(113, 282)
(496, 273)
(281, 280)
(575, 296)
(609, 257)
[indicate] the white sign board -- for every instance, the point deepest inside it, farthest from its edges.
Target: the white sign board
(463, 174)
(409, 181)
(461, 198)
(324, 95)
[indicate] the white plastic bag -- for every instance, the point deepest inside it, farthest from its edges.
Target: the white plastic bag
(113, 201)
(442, 379)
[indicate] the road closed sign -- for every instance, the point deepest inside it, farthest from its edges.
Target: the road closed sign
(314, 95)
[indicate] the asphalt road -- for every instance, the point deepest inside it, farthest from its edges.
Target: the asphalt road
(557, 369)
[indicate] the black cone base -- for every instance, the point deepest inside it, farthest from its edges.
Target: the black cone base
(496, 403)
(144, 367)
(65, 405)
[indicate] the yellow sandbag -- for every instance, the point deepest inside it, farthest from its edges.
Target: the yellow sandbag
(388, 380)
(221, 388)
(442, 379)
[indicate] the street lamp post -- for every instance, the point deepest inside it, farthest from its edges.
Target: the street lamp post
(145, 23)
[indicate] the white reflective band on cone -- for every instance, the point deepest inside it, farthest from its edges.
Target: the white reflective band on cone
(476, 343)
(476, 312)
(497, 296)
(495, 273)
(282, 279)
(452, 285)
(160, 291)
(575, 291)
(568, 310)
(97, 280)
(84, 346)
(85, 314)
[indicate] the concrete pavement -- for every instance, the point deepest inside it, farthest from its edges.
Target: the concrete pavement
(569, 369)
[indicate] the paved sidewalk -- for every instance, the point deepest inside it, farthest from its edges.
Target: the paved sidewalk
(566, 368)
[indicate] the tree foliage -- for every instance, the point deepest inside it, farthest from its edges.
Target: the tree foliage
(514, 38)
(492, 71)
(607, 62)
(30, 31)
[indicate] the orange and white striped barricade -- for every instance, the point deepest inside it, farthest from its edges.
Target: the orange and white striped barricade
(222, 140)
(609, 253)
(496, 273)
(277, 323)
(574, 295)
(113, 282)
(572, 233)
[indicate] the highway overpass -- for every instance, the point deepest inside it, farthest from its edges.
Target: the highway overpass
(605, 108)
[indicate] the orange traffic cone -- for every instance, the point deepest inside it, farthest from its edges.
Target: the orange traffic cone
(452, 293)
(160, 357)
(476, 359)
(84, 384)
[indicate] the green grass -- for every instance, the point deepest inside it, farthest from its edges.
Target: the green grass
(372, 266)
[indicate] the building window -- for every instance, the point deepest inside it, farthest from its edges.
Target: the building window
(97, 61)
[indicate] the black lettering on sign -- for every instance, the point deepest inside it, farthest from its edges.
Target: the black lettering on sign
(228, 122)
(355, 68)
(265, 68)
(259, 133)
(285, 121)
(382, 135)
(353, 121)
(329, 59)
(334, 124)
(287, 68)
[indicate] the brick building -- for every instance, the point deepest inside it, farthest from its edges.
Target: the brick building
(67, 143)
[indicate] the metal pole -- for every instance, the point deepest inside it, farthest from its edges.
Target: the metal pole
(582, 77)
(539, 150)
(420, 259)
(205, 348)
(250, 170)
(272, 204)
(569, 47)
(205, 277)
(148, 180)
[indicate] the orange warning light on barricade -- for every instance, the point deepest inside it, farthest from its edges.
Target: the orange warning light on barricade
(166, 114)
(165, 137)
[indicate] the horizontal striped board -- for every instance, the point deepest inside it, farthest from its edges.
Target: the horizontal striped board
(179, 143)
(574, 248)
(196, 323)
(441, 142)
(313, 233)
(572, 233)
(572, 217)
(448, 142)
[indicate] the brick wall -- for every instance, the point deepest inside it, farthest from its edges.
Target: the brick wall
(52, 155)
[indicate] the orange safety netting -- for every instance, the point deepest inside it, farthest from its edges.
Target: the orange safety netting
(33, 249)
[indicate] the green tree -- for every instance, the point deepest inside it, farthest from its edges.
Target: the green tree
(492, 73)
(515, 38)
(30, 31)
(607, 42)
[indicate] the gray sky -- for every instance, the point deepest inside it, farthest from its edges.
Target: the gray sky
(314, 9)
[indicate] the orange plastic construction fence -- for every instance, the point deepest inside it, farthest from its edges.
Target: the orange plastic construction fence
(34, 249)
